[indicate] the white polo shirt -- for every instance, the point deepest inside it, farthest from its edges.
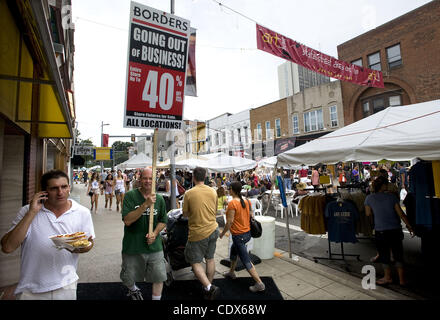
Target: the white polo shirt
(43, 266)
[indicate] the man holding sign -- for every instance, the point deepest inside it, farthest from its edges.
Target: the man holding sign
(142, 251)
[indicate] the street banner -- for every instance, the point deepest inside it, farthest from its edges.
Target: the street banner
(105, 138)
(103, 154)
(156, 69)
(279, 45)
(83, 150)
(190, 88)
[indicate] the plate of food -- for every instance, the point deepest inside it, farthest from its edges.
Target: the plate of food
(77, 240)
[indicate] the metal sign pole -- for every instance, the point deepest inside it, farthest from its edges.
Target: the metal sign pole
(153, 186)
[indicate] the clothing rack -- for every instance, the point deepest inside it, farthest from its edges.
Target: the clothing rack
(358, 185)
(330, 254)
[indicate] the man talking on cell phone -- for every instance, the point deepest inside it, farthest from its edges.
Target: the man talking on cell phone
(48, 273)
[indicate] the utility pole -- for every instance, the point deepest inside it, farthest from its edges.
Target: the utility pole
(172, 160)
(102, 142)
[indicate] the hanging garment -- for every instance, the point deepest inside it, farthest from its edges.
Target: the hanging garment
(436, 177)
(312, 214)
(422, 185)
(341, 221)
(364, 224)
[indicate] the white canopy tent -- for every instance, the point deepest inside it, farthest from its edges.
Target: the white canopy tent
(396, 133)
(225, 163)
(185, 161)
(140, 160)
(272, 161)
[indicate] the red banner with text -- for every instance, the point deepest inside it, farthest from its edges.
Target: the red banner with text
(278, 45)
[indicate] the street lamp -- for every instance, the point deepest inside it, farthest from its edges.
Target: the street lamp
(102, 142)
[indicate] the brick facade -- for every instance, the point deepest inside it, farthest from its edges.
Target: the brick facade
(270, 112)
(417, 79)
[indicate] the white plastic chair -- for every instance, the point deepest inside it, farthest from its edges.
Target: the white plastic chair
(256, 206)
(280, 208)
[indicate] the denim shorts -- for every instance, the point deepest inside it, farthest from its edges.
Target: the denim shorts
(148, 267)
(239, 248)
(195, 251)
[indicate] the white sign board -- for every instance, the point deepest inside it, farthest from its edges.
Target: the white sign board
(156, 69)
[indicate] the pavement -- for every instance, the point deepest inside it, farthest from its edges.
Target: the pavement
(297, 278)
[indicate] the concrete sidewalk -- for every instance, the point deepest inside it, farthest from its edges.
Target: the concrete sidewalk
(297, 280)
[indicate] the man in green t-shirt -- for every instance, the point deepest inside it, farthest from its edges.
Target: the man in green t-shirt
(142, 255)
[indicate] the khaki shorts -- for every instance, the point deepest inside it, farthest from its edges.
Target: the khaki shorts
(65, 293)
(197, 250)
(148, 267)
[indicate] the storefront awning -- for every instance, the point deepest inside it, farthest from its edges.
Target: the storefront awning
(55, 114)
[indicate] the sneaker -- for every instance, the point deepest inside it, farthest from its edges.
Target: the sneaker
(135, 295)
(230, 275)
(257, 287)
(212, 293)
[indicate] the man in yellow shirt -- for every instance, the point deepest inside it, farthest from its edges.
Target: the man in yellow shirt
(200, 206)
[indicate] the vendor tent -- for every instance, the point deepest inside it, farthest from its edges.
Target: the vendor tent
(185, 161)
(396, 133)
(272, 161)
(225, 163)
(140, 160)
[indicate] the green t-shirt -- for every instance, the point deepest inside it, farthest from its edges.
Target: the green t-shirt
(135, 240)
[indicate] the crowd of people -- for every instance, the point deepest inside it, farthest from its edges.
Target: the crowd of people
(51, 211)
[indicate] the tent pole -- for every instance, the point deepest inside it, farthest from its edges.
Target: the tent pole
(287, 219)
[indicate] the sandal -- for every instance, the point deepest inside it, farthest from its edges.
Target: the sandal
(230, 275)
(384, 282)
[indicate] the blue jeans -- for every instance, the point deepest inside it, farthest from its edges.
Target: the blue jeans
(288, 183)
(239, 247)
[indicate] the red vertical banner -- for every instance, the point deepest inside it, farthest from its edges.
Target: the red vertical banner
(190, 88)
(105, 140)
(280, 46)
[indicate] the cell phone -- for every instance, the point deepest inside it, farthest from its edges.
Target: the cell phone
(42, 201)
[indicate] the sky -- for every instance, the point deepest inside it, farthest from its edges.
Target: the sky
(232, 75)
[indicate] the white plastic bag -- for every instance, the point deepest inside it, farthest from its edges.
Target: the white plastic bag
(403, 194)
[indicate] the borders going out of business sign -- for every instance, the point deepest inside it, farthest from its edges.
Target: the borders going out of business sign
(156, 69)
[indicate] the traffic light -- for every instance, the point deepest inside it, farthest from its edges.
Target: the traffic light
(133, 138)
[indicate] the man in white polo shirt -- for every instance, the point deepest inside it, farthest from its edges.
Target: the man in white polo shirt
(48, 273)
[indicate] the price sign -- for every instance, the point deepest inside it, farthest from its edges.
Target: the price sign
(156, 69)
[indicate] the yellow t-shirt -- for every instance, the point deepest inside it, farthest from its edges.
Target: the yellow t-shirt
(241, 222)
(220, 202)
(200, 203)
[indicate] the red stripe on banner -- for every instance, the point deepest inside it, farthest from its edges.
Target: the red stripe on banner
(280, 46)
(159, 27)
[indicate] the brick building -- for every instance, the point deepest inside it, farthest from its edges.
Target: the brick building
(407, 51)
(269, 123)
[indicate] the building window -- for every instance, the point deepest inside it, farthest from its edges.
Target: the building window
(378, 103)
(394, 101)
(217, 139)
(313, 121)
(259, 133)
(239, 135)
(223, 137)
(278, 127)
(334, 116)
(366, 109)
(374, 61)
(245, 134)
(268, 132)
(357, 62)
(295, 124)
(394, 57)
